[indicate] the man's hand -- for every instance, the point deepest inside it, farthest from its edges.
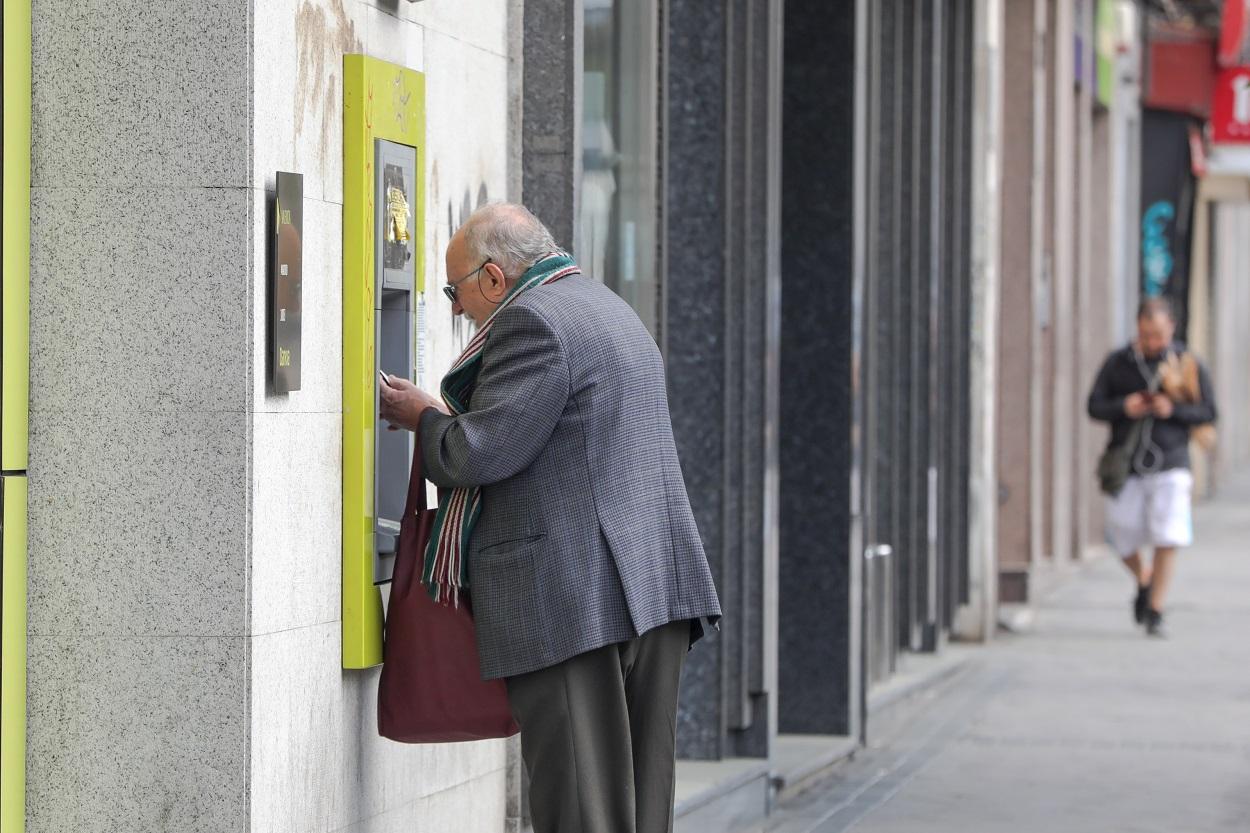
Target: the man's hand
(402, 403)
(1161, 405)
(1137, 405)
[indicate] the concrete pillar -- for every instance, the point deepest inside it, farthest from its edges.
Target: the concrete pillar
(1063, 281)
(1098, 314)
(142, 222)
(1232, 337)
(1124, 196)
(1039, 277)
(1015, 390)
(976, 620)
(1044, 370)
(551, 115)
(1092, 287)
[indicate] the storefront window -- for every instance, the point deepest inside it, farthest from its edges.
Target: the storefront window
(618, 211)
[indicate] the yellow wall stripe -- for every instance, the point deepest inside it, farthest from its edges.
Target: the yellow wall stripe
(14, 403)
(13, 669)
(15, 377)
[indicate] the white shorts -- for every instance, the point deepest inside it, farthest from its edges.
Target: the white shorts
(1152, 510)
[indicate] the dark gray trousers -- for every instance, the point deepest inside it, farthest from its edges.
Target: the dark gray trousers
(598, 735)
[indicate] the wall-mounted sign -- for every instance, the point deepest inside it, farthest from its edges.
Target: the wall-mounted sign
(1230, 117)
(1180, 75)
(286, 283)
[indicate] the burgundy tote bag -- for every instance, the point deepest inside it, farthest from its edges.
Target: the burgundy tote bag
(431, 690)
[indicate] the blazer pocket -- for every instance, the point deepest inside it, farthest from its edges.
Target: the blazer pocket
(499, 548)
(506, 607)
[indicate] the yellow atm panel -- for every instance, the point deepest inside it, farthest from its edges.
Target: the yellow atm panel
(13, 668)
(14, 401)
(383, 272)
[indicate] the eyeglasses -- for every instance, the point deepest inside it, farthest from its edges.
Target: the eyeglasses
(450, 289)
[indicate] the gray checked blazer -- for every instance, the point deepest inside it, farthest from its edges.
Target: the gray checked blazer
(586, 537)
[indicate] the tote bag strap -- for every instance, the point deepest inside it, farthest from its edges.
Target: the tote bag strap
(411, 551)
(416, 481)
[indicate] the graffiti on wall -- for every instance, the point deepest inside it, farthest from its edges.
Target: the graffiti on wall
(1167, 199)
(457, 210)
(1156, 250)
(322, 36)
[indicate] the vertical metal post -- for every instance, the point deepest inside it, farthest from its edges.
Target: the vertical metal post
(861, 406)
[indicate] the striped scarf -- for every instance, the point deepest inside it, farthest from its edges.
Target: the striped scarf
(446, 570)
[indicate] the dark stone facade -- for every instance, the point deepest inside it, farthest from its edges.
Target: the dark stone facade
(813, 263)
(817, 351)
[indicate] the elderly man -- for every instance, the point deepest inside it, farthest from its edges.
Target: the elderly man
(1152, 429)
(565, 516)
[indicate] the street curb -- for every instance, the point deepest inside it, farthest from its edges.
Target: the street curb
(902, 698)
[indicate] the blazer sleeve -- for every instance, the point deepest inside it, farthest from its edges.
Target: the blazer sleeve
(1103, 404)
(522, 389)
(1203, 411)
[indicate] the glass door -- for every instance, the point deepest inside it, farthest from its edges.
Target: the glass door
(617, 223)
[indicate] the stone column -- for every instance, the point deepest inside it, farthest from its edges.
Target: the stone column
(141, 250)
(1015, 346)
(694, 328)
(817, 594)
(551, 115)
(1063, 282)
(1091, 292)
(720, 334)
(976, 620)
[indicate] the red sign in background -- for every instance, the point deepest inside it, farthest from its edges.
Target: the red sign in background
(1230, 117)
(1233, 23)
(1181, 75)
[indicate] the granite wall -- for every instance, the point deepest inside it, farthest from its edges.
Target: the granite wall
(694, 329)
(720, 334)
(817, 595)
(185, 523)
(140, 437)
(719, 317)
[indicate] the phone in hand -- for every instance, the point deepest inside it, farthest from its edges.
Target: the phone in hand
(385, 380)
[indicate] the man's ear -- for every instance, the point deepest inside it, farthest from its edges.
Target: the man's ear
(495, 279)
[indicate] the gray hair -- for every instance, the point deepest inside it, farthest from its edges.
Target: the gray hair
(509, 236)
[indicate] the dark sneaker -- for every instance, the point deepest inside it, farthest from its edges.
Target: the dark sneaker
(1140, 604)
(1154, 624)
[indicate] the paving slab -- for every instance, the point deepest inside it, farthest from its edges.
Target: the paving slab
(1081, 723)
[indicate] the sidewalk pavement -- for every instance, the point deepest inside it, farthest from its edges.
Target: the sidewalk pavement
(1083, 723)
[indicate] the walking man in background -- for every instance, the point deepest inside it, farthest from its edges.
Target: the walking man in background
(586, 572)
(1154, 394)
